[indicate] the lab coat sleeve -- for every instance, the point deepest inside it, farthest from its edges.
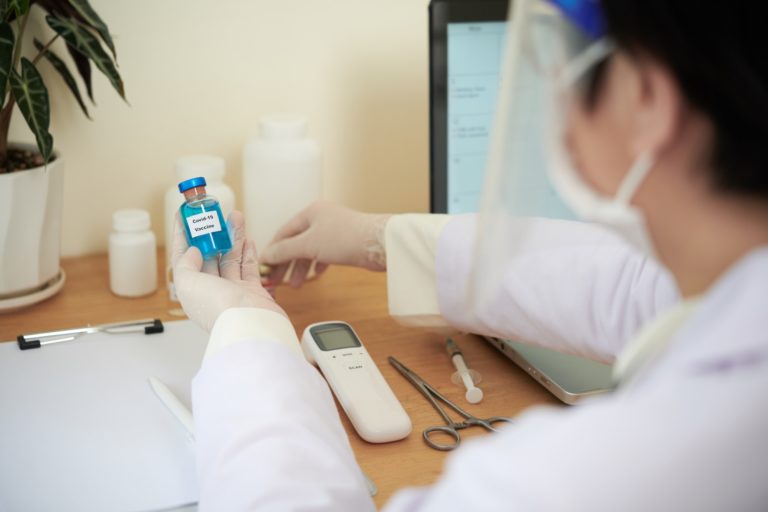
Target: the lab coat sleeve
(411, 242)
(625, 453)
(268, 433)
(236, 324)
(568, 285)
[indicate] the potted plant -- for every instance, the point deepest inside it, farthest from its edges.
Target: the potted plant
(31, 176)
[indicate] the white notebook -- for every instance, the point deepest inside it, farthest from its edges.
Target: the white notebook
(81, 429)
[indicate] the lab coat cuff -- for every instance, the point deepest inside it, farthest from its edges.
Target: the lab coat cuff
(411, 240)
(238, 324)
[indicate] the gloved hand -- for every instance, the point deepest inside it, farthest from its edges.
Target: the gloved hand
(327, 234)
(207, 289)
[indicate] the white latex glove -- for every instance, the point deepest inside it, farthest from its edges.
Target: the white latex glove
(327, 234)
(207, 290)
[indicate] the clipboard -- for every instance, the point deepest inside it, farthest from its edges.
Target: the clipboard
(81, 429)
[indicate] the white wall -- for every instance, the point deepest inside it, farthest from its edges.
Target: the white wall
(199, 73)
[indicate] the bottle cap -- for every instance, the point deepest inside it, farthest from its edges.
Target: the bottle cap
(283, 127)
(130, 220)
(210, 167)
(192, 183)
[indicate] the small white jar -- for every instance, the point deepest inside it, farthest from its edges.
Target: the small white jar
(132, 254)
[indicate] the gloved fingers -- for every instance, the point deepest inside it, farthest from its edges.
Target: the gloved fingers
(296, 225)
(320, 267)
(211, 267)
(249, 270)
(179, 241)
(277, 274)
(288, 243)
(229, 266)
(190, 261)
(299, 273)
(283, 251)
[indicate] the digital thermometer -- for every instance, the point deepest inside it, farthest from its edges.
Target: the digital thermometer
(363, 393)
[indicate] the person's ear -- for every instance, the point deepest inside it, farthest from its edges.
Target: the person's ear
(654, 106)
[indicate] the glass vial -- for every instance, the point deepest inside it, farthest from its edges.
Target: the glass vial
(213, 169)
(202, 219)
(132, 254)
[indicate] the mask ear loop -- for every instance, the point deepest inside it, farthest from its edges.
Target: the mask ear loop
(572, 72)
(634, 178)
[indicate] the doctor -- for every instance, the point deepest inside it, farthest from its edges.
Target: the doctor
(656, 127)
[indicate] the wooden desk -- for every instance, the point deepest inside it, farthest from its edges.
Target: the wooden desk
(354, 295)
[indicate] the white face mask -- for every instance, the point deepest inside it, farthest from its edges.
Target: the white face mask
(616, 213)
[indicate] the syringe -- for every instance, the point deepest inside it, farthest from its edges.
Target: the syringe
(463, 374)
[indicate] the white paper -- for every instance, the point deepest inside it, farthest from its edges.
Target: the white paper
(81, 428)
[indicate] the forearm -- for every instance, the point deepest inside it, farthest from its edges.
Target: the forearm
(573, 286)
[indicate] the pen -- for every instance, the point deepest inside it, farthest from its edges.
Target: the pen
(40, 339)
(174, 406)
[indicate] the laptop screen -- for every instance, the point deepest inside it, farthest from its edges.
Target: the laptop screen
(474, 56)
(466, 46)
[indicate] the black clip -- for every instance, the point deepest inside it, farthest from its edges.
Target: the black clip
(25, 344)
(156, 327)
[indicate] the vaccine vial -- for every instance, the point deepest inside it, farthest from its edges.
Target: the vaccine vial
(203, 222)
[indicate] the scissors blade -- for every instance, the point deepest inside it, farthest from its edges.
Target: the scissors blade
(417, 381)
(430, 393)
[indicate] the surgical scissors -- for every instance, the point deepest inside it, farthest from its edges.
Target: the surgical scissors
(451, 428)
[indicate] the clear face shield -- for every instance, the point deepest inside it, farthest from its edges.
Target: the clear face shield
(547, 66)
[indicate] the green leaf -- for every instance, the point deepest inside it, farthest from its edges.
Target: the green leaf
(3, 8)
(19, 6)
(85, 10)
(63, 70)
(32, 99)
(86, 43)
(6, 56)
(83, 67)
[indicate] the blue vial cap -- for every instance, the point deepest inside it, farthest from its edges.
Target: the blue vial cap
(191, 183)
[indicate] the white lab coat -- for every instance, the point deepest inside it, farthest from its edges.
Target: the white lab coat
(687, 433)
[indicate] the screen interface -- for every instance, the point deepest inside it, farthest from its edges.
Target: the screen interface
(474, 64)
(334, 338)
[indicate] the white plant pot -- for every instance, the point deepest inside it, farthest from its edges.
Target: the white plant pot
(30, 230)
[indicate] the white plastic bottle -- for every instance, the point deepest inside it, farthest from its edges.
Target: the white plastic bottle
(132, 254)
(213, 169)
(281, 175)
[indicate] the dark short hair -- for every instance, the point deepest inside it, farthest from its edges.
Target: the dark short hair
(717, 53)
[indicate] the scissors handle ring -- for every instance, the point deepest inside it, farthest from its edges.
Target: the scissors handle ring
(443, 447)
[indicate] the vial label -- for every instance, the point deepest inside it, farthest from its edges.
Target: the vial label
(203, 223)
